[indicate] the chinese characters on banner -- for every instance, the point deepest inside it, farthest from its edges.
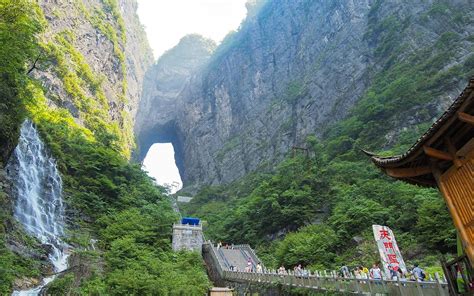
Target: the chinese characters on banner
(388, 249)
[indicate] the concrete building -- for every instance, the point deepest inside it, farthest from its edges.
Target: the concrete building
(188, 235)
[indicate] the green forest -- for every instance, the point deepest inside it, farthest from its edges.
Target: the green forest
(327, 208)
(111, 199)
(318, 209)
(314, 208)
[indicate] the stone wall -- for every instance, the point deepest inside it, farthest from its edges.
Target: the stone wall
(187, 237)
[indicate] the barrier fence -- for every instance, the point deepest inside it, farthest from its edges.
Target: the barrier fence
(324, 281)
(344, 285)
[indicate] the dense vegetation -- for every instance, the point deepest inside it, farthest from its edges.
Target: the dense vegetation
(19, 24)
(314, 209)
(119, 221)
(318, 209)
(328, 207)
(129, 215)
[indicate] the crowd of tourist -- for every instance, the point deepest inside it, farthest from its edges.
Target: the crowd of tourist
(394, 273)
(359, 272)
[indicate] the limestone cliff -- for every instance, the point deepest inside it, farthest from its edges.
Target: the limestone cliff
(96, 55)
(159, 107)
(296, 67)
(87, 59)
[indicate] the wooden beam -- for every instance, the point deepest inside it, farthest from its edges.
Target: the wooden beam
(407, 172)
(464, 117)
(438, 154)
(452, 151)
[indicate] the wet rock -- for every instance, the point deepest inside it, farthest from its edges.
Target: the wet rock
(47, 248)
(25, 283)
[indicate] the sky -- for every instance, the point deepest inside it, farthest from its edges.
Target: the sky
(166, 22)
(160, 164)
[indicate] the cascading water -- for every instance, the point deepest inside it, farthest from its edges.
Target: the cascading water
(39, 206)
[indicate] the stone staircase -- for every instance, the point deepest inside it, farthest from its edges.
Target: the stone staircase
(219, 261)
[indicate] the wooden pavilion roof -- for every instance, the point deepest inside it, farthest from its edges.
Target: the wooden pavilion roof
(452, 133)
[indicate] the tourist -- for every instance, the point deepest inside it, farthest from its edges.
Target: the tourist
(364, 272)
(358, 272)
(249, 265)
(375, 272)
(282, 270)
(393, 273)
(259, 268)
(402, 276)
(305, 273)
(419, 273)
(219, 245)
(345, 271)
(298, 270)
(410, 275)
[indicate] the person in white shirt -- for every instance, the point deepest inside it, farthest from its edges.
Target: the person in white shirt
(282, 270)
(375, 272)
(249, 266)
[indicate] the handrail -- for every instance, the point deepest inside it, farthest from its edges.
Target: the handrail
(247, 252)
(324, 281)
(215, 259)
(341, 284)
(226, 262)
(252, 254)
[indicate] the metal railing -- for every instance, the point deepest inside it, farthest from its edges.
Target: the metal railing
(220, 253)
(215, 258)
(330, 281)
(248, 250)
(343, 285)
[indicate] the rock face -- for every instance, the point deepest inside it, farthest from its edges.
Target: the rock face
(100, 55)
(160, 105)
(138, 54)
(293, 69)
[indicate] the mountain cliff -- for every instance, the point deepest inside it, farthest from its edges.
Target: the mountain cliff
(100, 55)
(160, 104)
(323, 79)
(295, 68)
(326, 76)
(73, 71)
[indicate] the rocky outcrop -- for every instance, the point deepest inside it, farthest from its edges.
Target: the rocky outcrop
(96, 55)
(138, 54)
(293, 69)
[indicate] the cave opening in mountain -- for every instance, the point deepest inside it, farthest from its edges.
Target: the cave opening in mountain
(161, 155)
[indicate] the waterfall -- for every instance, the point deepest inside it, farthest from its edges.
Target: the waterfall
(39, 207)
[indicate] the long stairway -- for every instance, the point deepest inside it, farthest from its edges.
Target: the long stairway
(222, 259)
(236, 257)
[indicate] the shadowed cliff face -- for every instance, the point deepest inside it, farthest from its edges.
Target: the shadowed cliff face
(157, 117)
(292, 69)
